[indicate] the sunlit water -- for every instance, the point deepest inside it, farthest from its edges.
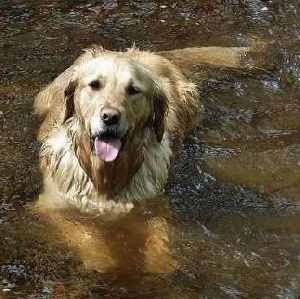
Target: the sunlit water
(229, 222)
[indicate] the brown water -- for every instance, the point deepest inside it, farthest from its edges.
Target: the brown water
(232, 202)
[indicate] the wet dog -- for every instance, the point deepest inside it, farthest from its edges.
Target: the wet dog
(112, 122)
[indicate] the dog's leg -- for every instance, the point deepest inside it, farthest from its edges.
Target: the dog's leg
(84, 239)
(157, 251)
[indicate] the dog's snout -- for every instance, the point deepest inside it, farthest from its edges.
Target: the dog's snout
(110, 116)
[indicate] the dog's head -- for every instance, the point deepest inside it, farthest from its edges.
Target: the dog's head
(115, 98)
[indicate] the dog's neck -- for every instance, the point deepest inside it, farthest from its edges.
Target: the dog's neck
(109, 178)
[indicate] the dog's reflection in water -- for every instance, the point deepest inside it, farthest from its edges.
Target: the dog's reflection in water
(137, 241)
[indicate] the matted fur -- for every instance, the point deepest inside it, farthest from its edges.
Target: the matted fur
(73, 173)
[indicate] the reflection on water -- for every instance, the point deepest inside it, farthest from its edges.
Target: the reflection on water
(252, 133)
(229, 226)
(139, 240)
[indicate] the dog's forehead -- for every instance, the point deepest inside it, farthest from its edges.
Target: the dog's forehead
(121, 69)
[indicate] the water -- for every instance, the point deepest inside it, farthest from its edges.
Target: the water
(228, 226)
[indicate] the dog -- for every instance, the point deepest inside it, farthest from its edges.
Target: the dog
(111, 124)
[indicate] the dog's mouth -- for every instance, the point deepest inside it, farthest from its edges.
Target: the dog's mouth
(107, 145)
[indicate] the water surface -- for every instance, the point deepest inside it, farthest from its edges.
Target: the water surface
(231, 204)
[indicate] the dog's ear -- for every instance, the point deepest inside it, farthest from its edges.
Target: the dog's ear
(68, 109)
(55, 102)
(160, 109)
(50, 99)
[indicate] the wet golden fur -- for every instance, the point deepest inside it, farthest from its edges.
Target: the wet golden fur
(158, 120)
(71, 173)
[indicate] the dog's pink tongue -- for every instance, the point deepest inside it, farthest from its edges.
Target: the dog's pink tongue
(107, 149)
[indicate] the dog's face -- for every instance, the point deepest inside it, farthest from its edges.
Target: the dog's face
(115, 98)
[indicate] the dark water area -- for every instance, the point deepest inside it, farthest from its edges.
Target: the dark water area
(232, 201)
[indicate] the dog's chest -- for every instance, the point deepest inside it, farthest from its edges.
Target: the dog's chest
(75, 182)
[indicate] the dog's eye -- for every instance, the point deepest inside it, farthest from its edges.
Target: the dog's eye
(132, 90)
(95, 84)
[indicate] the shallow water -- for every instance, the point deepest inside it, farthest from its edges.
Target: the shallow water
(232, 200)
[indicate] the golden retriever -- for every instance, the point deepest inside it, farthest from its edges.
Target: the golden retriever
(112, 122)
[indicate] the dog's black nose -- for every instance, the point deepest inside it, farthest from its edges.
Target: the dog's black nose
(110, 116)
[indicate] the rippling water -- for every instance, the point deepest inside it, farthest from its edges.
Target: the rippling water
(232, 201)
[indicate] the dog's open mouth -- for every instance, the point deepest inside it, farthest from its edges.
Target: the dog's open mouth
(107, 146)
(107, 149)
